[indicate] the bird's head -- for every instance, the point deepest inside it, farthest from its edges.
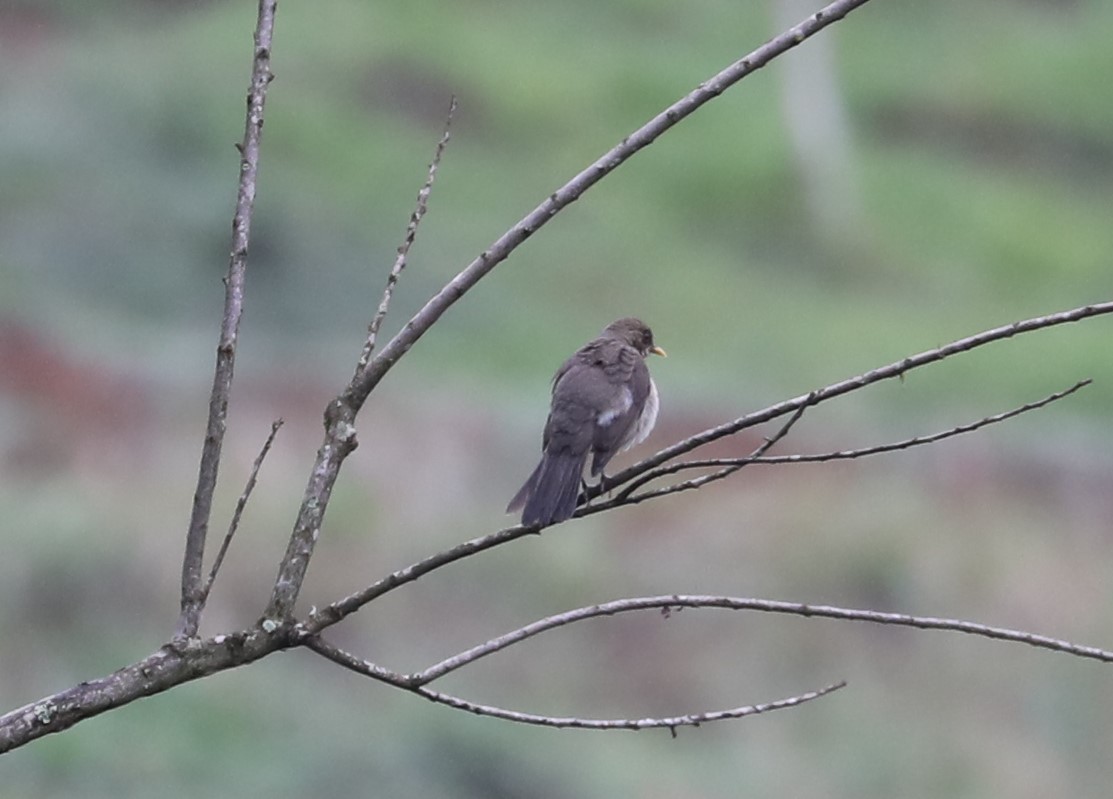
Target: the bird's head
(634, 332)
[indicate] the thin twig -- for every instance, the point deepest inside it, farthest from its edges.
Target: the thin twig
(850, 454)
(671, 724)
(469, 656)
(368, 669)
(692, 484)
(241, 503)
(625, 496)
(193, 587)
(407, 242)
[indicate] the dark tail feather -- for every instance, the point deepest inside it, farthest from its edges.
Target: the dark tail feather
(525, 491)
(551, 492)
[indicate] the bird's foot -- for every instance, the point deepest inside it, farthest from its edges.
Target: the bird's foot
(589, 491)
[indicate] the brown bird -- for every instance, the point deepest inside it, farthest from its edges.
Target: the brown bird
(604, 402)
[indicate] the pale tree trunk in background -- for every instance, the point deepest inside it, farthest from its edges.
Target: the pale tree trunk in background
(818, 127)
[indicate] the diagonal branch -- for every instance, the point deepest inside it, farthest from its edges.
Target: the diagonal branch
(357, 664)
(193, 587)
(340, 433)
(573, 189)
(173, 664)
(322, 618)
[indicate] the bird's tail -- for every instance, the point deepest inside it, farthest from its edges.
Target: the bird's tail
(551, 492)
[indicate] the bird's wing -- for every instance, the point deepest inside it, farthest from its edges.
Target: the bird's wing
(598, 396)
(579, 387)
(628, 380)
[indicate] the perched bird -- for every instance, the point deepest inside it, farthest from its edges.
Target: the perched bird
(604, 402)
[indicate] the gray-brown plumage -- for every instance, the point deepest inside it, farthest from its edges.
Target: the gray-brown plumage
(604, 402)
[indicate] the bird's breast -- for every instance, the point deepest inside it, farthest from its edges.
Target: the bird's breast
(648, 418)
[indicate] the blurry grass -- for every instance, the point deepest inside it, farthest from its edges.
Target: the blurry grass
(708, 229)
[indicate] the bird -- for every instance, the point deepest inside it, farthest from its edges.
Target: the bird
(603, 402)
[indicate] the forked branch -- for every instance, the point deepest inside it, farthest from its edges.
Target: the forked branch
(893, 370)
(863, 452)
(418, 681)
(728, 466)
(340, 416)
(672, 723)
(187, 657)
(325, 617)
(571, 191)
(766, 445)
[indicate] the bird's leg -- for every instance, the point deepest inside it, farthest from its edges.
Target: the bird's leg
(583, 498)
(602, 486)
(588, 490)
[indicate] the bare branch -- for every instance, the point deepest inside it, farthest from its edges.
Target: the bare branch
(368, 669)
(685, 485)
(240, 505)
(766, 445)
(193, 587)
(417, 681)
(326, 617)
(571, 191)
(691, 720)
(357, 664)
(333, 613)
(850, 454)
(323, 618)
(340, 434)
(457, 661)
(171, 665)
(896, 369)
(407, 242)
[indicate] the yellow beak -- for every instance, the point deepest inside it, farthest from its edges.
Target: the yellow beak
(659, 351)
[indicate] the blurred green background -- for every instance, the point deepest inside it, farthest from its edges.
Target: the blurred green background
(917, 173)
